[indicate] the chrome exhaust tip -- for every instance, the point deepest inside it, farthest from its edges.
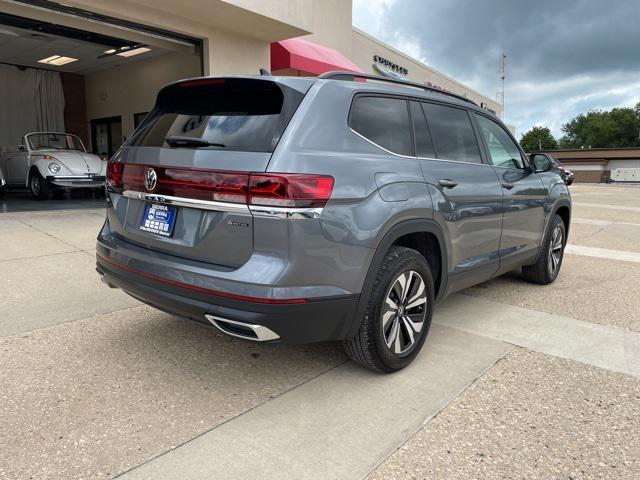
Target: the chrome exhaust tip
(105, 280)
(246, 331)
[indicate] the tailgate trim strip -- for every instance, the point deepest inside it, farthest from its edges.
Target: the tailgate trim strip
(189, 202)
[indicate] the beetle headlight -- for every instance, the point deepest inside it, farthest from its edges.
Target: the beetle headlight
(54, 167)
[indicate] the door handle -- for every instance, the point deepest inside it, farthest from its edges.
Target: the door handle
(508, 185)
(446, 183)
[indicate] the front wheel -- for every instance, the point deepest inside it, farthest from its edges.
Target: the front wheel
(547, 267)
(398, 315)
(38, 186)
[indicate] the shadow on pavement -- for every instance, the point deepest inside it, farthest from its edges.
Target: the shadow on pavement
(22, 201)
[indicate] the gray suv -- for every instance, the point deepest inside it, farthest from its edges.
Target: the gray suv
(336, 208)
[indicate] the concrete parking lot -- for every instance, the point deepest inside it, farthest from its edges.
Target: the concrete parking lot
(515, 380)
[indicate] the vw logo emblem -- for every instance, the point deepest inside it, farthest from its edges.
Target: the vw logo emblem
(150, 179)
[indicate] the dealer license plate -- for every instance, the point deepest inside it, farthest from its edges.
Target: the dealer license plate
(158, 219)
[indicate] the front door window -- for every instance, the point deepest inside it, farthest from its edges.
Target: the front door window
(503, 151)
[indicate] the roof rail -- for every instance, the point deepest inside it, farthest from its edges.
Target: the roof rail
(346, 75)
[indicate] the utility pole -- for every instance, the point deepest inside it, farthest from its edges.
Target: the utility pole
(502, 72)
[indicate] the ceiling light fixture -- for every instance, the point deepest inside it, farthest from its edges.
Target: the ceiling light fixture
(57, 60)
(135, 51)
(110, 51)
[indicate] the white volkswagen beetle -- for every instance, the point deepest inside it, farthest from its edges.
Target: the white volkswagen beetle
(52, 161)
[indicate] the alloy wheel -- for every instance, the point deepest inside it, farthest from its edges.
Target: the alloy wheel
(555, 249)
(403, 312)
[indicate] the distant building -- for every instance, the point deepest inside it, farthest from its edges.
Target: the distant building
(595, 165)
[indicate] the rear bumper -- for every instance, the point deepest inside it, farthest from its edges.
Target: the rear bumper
(284, 320)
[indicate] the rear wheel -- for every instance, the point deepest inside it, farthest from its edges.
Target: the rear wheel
(547, 267)
(398, 314)
(38, 186)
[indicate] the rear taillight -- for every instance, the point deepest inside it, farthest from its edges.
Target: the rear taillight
(289, 190)
(114, 174)
(260, 189)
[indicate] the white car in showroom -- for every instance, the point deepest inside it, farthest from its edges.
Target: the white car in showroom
(52, 162)
(3, 184)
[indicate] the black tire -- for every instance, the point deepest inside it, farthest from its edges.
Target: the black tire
(369, 347)
(38, 186)
(546, 268)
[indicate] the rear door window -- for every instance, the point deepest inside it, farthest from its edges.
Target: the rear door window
(384, 121)
(424, 144)
(229, 114)
(452, 133)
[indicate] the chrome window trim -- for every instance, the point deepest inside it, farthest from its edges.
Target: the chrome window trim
(454, 161)
(188, 202)
(379, 146)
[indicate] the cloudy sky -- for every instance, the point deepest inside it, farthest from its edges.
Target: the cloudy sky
(563, 57)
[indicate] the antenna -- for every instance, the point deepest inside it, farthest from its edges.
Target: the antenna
(502, 72)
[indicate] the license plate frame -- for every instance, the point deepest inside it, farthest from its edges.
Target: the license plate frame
(158, 219)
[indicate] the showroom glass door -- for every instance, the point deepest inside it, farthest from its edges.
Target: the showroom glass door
(106, 136)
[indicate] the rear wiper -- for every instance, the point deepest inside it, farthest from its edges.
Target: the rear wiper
(177, 141)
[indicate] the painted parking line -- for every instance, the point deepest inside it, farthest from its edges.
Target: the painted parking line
(621, 255)
(340, 425)
(601, 346)
(601, 223)
(590, 221)
(625, 208)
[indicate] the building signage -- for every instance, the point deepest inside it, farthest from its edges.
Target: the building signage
(388, 68)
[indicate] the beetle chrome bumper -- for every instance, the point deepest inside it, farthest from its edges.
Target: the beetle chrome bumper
(77, 181)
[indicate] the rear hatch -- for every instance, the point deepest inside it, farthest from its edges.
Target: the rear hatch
(179, 185)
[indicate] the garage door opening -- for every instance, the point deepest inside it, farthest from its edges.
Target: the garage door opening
(82, 77)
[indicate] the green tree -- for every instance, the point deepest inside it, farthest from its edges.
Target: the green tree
(538, 138)
(619, 127)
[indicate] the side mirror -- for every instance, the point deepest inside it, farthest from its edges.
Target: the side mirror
(540, 163)
(22, 148)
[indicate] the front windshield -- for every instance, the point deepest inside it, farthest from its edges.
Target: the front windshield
(56, 141)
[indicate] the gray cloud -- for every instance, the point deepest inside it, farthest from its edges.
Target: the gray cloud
(563, 57)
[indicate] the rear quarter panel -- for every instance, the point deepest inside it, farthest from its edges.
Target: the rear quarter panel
(373, 190)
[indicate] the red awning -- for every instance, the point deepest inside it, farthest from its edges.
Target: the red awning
(307, 57)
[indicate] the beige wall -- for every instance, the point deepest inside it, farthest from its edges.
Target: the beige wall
(269, 20)
(132, 88)
(332, 25)
(227, 53)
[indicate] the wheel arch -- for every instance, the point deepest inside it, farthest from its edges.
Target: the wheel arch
(563, 208)
(32, 169)
(403, 234)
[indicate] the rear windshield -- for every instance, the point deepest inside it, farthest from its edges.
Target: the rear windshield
(246, 115)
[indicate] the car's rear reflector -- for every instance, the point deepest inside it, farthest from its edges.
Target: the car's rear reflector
(114, 174)
(265, 189)
(197, 288)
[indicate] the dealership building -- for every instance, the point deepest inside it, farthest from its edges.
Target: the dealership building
(600, 165)
(93, 68)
